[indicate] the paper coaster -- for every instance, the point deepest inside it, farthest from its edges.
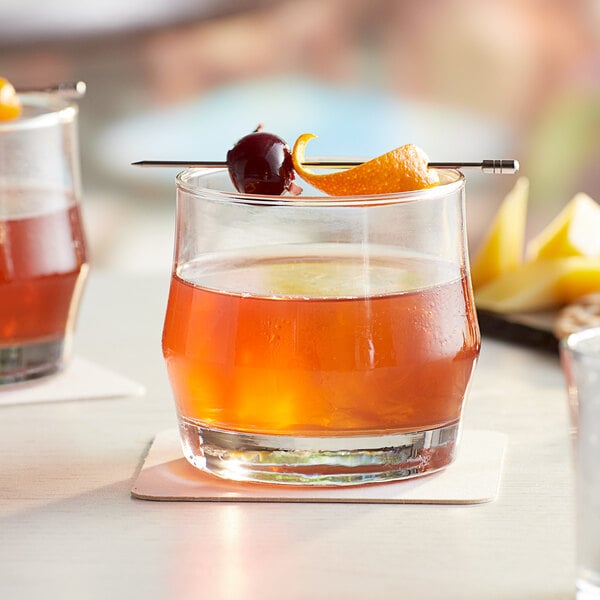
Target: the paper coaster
(81, 380)
(473, 478)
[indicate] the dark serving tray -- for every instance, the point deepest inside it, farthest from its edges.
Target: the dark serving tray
(533, 330)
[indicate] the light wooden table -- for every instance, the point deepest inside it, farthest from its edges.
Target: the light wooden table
(69, 528)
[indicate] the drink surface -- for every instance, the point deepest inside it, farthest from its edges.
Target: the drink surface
(320, 343)
(42, 257)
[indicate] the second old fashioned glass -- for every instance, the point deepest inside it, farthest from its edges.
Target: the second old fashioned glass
(43, 261)
(319, 340)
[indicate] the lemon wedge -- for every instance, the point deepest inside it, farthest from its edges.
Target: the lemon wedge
(540, 285)
(327, 278)
(575, 231)
(502, 248)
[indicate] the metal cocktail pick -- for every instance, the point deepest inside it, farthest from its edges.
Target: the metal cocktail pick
(494, 166)
(69, 89)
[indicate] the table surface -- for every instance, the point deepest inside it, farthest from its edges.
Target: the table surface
(70, 529)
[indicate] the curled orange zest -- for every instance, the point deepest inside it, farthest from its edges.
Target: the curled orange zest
(401, 170)
(10, 107)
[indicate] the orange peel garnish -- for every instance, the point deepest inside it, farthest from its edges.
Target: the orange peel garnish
(10, 106)
(401, 170)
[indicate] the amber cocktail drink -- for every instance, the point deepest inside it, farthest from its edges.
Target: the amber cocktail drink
(42, 248)
(318, 340)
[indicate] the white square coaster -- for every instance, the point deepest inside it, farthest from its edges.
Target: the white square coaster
(473, 478)
(80, 380)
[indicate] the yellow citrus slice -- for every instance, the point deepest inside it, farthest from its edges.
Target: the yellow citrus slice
(573, 232)
(401, 170)
(332, 278)
(502, 247)
(539, 285)
(10, 107)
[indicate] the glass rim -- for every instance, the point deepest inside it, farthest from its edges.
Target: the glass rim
(572, 341)
(59, 110)
(456, 182)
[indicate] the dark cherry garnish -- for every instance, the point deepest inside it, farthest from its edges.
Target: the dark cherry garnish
(261, 163)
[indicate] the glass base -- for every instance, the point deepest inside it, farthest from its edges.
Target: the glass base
(296, 460)
(23, 362)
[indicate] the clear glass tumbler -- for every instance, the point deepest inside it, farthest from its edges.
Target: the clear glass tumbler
(42, 249)
(319, 340)
(580, 354)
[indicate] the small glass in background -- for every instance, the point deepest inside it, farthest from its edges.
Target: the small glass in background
(43, 259)
(580, 355)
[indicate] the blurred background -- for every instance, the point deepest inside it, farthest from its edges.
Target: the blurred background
(184, 79)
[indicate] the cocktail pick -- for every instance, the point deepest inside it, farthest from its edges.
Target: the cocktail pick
(69, 89)
(494, 166)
